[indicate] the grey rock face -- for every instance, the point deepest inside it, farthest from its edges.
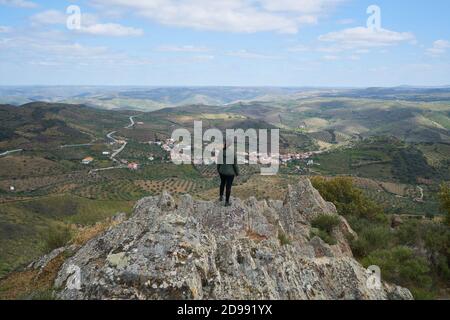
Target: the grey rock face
(190, 249)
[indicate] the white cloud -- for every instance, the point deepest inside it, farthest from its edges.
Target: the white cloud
(346, 21)
(49, 17)
(111, 29)
(204, 57)
(245, 16)
(74, 50)
(185, 48)
(300, 6)
(89, 24)
(46, 50)
(363, 38)
(440, 47)
(18, 3)
(249, 55)
(5, 29)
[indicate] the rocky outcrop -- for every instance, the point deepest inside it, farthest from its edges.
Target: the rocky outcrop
(189, 249)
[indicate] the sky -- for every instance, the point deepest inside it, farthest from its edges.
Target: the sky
(296, 43)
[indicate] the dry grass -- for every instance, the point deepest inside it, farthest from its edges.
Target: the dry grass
(84, 234)
(255, 236)
(31, 283)
(36, 284)
(260, 187)
(34, 183)
(25, 166)
(395, 188)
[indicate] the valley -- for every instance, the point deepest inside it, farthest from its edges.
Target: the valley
(72, 166)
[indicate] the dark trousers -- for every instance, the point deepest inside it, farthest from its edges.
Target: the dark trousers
(228, 182)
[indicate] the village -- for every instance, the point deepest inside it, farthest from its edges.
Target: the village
(168, 145)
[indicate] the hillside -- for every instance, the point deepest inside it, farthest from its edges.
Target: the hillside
(48, 125)
(395, 151)
(191, 249)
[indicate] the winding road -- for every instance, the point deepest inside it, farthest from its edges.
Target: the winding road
(118, 151)
(132, 123)
(420, 198)
(76, 145)
(110, 136)
(10, 152)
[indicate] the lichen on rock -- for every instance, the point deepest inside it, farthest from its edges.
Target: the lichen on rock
(190, 249)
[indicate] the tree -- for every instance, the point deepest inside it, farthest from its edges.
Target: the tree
(401, 266)
(323, 227)
(444, 195)
(349, 200)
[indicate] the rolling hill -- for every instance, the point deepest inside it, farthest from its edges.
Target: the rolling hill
(41, 125)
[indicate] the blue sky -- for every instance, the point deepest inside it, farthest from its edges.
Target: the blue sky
(225, 42)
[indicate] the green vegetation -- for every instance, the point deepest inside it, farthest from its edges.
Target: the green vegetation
(416, 254)
(371, 237)
(31, 228)
(283, 238)
(57, 237)
(324, 226)
(385, 159)
(394, 143)
(401, 265)
(326, 223)
(445, 200)
(349, 201)
(409, 164)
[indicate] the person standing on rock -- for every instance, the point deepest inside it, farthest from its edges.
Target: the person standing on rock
(228, 170)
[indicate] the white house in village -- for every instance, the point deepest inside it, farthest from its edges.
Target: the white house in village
(87, 160)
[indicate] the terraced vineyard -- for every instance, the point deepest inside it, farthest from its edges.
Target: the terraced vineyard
(142, 151)
(324, 136)
(112, 190)
(404, 205)
(36, 183)
(211, 170)
(174, 185)
(437, 155)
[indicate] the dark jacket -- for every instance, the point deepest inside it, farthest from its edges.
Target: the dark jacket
(227, 169)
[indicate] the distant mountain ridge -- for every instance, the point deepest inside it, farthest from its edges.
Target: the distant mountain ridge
(154, 98)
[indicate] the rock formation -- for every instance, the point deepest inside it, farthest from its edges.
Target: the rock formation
(189, 249)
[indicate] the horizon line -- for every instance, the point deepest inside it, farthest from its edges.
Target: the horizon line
(226, 86)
